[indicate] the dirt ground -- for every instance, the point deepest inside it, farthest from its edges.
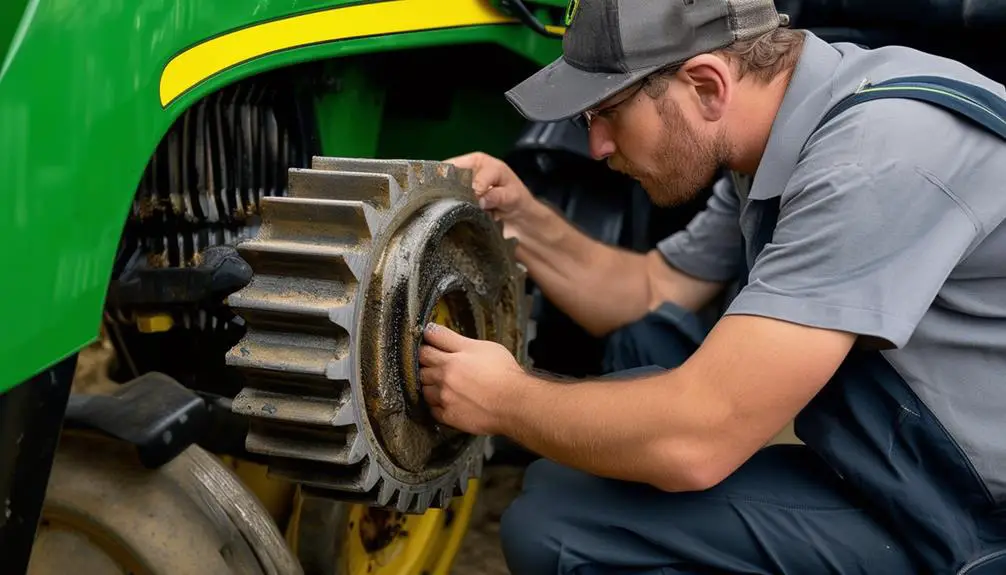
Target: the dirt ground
(480, 552)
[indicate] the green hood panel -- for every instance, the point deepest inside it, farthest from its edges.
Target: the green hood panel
(81, 112)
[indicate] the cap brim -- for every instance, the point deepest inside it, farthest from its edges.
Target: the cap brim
(560, 91)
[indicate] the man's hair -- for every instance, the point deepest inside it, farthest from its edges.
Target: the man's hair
(764, 58)
(767, 56)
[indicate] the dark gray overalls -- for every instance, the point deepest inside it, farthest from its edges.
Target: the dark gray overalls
(879, 486)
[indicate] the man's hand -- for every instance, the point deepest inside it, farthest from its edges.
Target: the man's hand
(467, 383)
(498, 188)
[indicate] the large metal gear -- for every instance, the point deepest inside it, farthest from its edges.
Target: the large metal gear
(347, 270)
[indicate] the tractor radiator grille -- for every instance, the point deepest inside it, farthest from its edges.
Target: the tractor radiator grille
(202, 188)
(203, 185)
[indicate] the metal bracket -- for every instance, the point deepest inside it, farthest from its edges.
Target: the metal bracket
(153, 412)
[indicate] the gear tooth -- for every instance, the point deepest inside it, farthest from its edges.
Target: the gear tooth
(358, 447)
(443, 499)
(344, 415)
(371, 474)
(342, 316)
(344, 223)
(404, 502)
(395, 193)
(263, 350)
(339, 369)
(448, 172)
(375, 187)
(464, 177)
(461, 484)
(475, 469)
(385, 492)
(320, 446)
(433, 171)
(357, 264)
(422, 502)
(372, 216)
(284, 262)
(489, 449)
(318, 411)
(398, 169)
(258, 303)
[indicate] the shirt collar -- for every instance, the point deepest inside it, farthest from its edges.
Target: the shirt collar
(806, 102)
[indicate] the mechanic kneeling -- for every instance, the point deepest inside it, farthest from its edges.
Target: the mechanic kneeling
(867, 237)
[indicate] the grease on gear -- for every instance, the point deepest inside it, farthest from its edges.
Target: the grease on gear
(347, 270)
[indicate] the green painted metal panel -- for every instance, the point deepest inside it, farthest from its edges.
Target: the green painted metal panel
(350, 113)
(559, 3)
(10, 17)
(476, 120)
(79, 117)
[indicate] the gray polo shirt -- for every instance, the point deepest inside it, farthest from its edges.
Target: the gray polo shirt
(890, 226)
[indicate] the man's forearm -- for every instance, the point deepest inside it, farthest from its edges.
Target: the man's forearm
(648, 430)
(600, 287)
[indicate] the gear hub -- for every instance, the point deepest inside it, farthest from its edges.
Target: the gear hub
(347, 270)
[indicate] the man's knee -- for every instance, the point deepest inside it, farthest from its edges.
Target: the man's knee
(529, 533)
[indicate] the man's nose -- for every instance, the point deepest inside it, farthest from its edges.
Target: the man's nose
(601, 143)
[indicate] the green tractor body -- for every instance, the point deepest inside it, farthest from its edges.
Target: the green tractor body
(88, 91)
(141, 142)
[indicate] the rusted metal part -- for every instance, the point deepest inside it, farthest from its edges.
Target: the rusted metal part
(347, 270)
(379, 528)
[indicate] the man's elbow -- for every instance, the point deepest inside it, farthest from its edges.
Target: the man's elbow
(678, 471)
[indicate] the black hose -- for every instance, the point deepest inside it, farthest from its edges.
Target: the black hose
(523, 13)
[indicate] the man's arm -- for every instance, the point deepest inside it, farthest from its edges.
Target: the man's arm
(599, 286)
(685, 429)
(602, 287)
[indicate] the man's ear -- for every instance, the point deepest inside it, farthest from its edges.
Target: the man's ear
(709, 79)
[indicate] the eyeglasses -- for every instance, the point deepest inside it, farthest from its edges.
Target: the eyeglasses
(587, 117)
(583, 120)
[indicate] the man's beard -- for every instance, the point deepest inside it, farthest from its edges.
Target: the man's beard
(684, 164)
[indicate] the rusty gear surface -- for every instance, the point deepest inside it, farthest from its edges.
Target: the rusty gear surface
(347, 270)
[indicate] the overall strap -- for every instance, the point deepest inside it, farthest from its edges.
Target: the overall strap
(976, 103)
(983, 107)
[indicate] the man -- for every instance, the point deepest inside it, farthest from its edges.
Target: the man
(872, 259)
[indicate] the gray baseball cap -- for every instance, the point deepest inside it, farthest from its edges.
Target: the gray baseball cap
(612, 44)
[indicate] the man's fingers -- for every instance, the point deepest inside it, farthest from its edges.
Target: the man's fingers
(468, 161)
(430, 356)
(492, 199)
(431, 392)
(431, 375)
(486, 173)
(444, 338)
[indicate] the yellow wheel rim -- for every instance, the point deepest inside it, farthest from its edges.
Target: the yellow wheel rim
(382, 542)
(385, 542)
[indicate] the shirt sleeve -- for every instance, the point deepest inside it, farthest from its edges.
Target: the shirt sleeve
(859, 247)
(710, 247)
